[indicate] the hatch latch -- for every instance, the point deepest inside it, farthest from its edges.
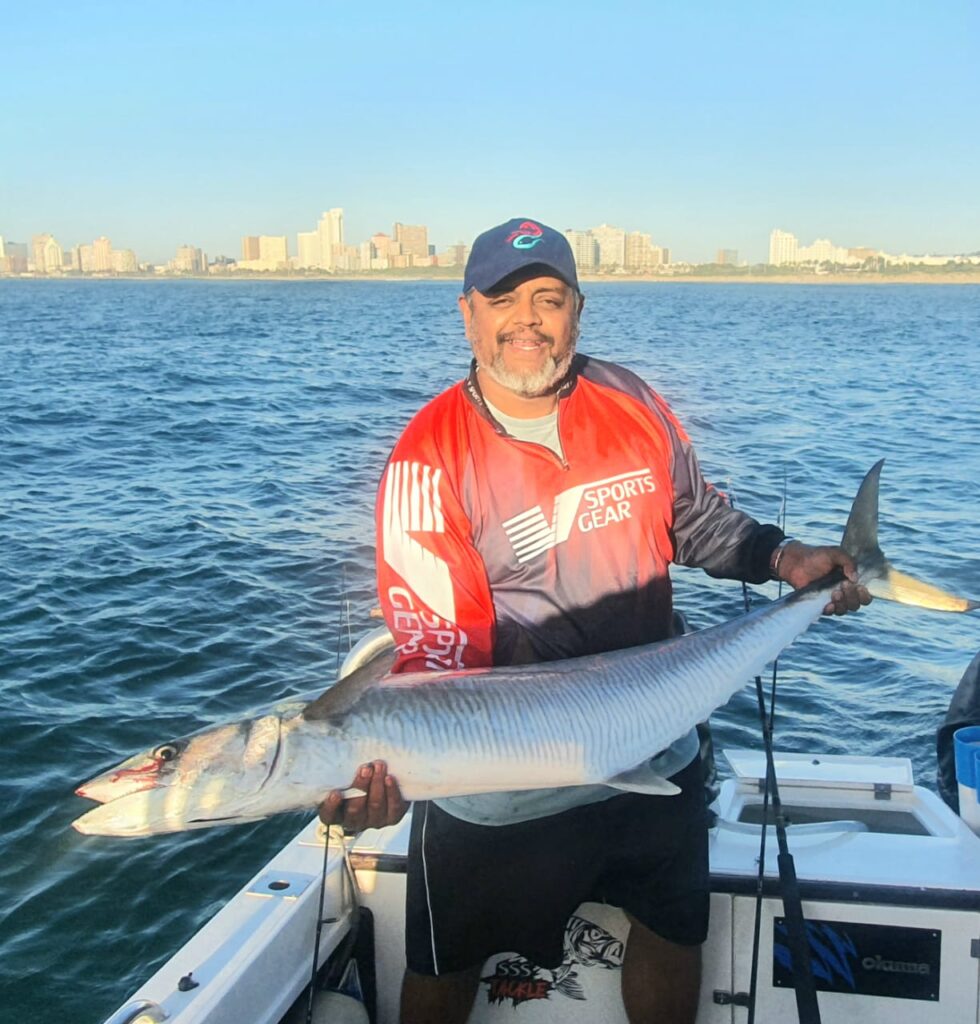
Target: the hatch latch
(730, 998)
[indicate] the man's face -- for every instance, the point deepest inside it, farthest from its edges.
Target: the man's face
(524, 337)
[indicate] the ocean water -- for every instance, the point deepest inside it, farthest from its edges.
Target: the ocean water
(187, 472)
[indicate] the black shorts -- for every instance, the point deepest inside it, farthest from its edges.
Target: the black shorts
(476, 890)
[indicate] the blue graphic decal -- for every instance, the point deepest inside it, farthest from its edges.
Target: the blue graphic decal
(830, 954)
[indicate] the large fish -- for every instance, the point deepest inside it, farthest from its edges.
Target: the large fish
(596, 719)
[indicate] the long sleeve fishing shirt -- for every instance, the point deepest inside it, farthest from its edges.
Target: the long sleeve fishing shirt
(496, 550)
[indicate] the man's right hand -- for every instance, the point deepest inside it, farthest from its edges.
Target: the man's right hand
(381, 805)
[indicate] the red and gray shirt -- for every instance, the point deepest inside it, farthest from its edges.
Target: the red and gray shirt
(493, 550)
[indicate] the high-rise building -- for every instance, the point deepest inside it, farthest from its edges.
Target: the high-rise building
(47, 254)
(124, 261)
(347, 257)
(454, 256)
(188, 260)
(413, 238)
(102, 255)
(612, 246)
(584, 249)
(782, 248)
(384, 249)
(308, 249)
(37, 253)
(15, 257)
(331, 231)
(641, 253)
(273, 250)
(727, 257)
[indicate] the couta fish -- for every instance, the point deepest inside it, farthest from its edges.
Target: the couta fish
(595, 719)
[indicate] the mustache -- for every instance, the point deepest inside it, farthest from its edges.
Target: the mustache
(503, 337)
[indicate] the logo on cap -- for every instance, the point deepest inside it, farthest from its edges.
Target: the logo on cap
(526, 236)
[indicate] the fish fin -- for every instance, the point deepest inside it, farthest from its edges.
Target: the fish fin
(861, 533)
(875, 571)
(898, 586)
(643, 779)
(346, 692)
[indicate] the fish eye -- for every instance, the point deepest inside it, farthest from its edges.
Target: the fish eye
(165, 753)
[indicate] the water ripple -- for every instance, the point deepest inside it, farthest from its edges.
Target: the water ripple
(188, 472)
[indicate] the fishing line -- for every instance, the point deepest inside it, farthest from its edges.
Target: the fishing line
(807, 1008)
(319, 924)
(342, 609)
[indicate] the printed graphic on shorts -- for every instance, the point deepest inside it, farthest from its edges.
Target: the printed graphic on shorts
(526, 236)
(586, 945)
(591, 506)
(412, 507)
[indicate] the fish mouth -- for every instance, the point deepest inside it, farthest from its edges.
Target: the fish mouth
(121, 782)
(104, 791)
(126, 816)
(146, 814)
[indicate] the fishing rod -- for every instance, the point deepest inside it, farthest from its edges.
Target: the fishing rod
(343, 617)
(807, 1008)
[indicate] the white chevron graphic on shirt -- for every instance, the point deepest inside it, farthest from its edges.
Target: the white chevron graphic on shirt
(530, 533)
(412, 504)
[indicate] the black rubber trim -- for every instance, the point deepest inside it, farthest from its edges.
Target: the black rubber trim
(849, 892)
(745, 885)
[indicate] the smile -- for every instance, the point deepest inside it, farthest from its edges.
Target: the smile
(527, 344)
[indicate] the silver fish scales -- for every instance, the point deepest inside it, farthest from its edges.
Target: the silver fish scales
(595, 719)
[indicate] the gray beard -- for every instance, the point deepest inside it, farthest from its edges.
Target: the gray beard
(533, 383)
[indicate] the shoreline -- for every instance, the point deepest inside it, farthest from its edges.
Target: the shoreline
(782, 279)
(912, 278)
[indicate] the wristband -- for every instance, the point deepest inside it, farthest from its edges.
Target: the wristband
(777, 556)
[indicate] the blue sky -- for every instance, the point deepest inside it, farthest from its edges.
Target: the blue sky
(705, 124)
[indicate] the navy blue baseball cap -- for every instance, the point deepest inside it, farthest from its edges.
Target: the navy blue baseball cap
(510, 247)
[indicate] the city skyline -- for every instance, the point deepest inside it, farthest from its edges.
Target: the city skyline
(701, 125)
(602, 249)
(760, 244)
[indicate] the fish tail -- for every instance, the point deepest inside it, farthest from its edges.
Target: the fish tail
(875, 571)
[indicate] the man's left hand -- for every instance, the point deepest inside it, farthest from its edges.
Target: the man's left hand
(801, 564)
(382, 803)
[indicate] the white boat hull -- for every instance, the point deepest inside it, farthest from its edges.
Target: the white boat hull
(892, 870)
(889, 876)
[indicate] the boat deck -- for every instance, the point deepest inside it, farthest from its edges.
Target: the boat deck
(889, 876)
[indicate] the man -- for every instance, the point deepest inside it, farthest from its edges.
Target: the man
(527, 514)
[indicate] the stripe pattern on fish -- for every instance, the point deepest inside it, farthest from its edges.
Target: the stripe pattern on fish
(594, 719)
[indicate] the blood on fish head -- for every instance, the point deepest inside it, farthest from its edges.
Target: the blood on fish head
(140, 772)
(209, 777)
